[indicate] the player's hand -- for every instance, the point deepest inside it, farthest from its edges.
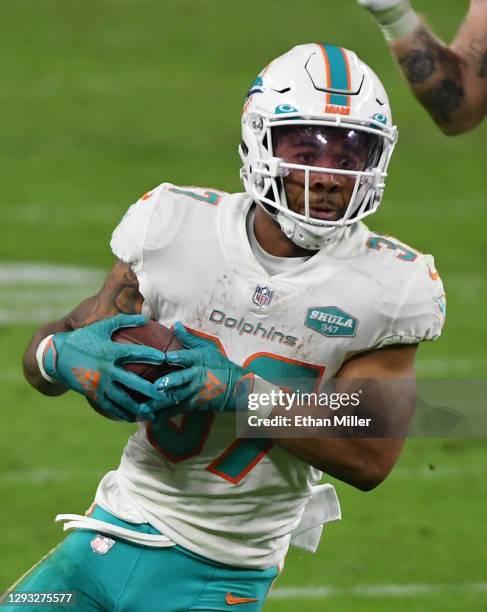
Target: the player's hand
(89, 362)
(396, 18)
(207, 380)
(381, 5)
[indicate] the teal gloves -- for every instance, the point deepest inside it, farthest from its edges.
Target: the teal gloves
(89, 362)
(207, 380)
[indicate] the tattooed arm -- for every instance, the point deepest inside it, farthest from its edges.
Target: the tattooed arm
(119, 295)
(449, 81)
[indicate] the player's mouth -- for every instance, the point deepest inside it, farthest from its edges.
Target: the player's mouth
(325, 213)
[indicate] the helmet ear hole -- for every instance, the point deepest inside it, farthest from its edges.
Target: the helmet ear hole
(259, 183)
(244, 147)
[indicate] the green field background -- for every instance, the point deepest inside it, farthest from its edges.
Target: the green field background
(102, 100)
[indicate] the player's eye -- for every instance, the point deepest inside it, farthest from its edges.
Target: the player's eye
(346, 163)
(305, 156)
(349, 162)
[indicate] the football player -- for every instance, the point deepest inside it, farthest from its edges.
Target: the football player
(278, 283)
(449, 81)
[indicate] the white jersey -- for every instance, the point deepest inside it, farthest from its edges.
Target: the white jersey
(238, 502)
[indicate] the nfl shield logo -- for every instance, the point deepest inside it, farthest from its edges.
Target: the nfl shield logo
(101, 544)
(263, 296)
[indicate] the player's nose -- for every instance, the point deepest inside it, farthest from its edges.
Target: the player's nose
(325, 181)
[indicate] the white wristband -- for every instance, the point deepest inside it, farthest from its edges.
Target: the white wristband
(395, 21)
(406, 24)
(40, 363)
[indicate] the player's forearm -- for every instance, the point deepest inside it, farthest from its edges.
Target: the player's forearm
(447, 80)
(362, 463)
(342, 447)
(436, 75)
(80, 316)
(119, 295)
(31, 368)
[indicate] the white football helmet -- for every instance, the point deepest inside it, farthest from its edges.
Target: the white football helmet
(330, 95)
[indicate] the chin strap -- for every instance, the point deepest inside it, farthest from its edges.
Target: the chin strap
(313, 239)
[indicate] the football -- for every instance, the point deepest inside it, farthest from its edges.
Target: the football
(151, 334)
